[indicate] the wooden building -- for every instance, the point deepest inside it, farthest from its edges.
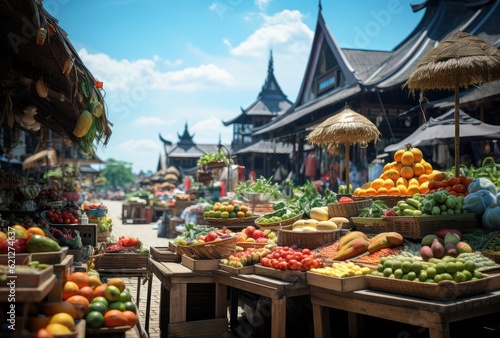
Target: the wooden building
(370, 82)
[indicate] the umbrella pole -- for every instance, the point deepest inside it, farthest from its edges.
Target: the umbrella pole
(457, 129)
(347, 169)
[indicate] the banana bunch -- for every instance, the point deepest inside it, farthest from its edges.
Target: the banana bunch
(30, 191)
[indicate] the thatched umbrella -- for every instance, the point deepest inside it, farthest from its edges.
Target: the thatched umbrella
(460, 60)
(346, 127)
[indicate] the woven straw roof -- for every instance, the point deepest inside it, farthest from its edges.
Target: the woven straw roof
(460, 57)
(346, 127)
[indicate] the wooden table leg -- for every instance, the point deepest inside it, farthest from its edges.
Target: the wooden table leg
(220, 300)
(439, 331)
(278, 313)
(138, 297)
(355, 324)
(233, 309)
(178, 307)
(148, 302)
(321, 320)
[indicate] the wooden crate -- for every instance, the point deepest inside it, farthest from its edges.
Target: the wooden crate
(200, 264)
(337, 284)
(31, 279)
(62, 272)
(120, 260)
(53, 257)
(209, 328)
(164, 254)
(291, 276)
(245, 270)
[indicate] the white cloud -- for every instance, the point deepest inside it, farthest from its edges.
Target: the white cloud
(143, 146)
(208, 130)
(262, 4)
(284, 31)
(174, 63)
(154, 121)
(122, 75)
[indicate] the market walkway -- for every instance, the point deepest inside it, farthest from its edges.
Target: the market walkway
(149, 238)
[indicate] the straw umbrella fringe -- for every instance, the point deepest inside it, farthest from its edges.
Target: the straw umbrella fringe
(347, 127)
(460, 60)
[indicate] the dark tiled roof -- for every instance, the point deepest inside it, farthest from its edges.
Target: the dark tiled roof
(365, 62)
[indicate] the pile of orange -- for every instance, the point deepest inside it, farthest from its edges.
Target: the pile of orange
(408, 174)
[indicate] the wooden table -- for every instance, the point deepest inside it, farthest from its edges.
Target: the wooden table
(434, 315)
(175, 279)
(277, 290)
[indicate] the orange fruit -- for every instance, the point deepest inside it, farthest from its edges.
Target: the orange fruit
(407, 158)
(418, 169)
(131, 317)
(423, 178)
(402, 181)
(70, 289)
(428, 167)
(362, 192)
(398, 155)
(370, 192)
(382, 191)
(43, 333)
(18, 231)
(407, 172)
(3, 236)
(99, 290)
(417, 155)
(79, 278)
(240, 214)
(424, 187)
(64, 319)
(118, 282)
(356, 191)
(393, 174)
(414, 181)
(377, 183)
(412, 189)
(58, 329)
(35, 231)
(388, 184)
(87, 292)
(50, 309)
(398, 166)
(387, 166)
(394, 191)
(402, 189)
(114, 318)
(437, 175)
(80, 303)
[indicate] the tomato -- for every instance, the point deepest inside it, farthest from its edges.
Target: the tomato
(293, 264)
(459, 188)
(444, 183)
(283, 265)
(306, 251)
(264, 261)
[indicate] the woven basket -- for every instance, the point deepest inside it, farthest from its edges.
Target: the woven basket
(231, 221)
(310, 240)
(369, 225)
(417, 227)
(212, 250)
(390, 201)
(443, 291)
(285, 224)
(348, 210)
(246, 245)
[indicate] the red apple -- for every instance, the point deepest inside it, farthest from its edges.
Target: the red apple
(257, 234)
(212, 235)
(249, 230)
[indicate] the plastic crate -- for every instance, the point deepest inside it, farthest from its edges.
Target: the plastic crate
(88, 232)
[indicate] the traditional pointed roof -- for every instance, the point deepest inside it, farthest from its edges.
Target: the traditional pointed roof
(271, 101)
(380, 71)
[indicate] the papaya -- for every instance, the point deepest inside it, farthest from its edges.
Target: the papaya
(351, 236)
(378, 242)
(319, 214)
(83, 124)
(352, 249)
(37, 243)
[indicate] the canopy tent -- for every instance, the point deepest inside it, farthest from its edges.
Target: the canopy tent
(443, 127)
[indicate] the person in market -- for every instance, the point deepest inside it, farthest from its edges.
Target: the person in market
(333, 180)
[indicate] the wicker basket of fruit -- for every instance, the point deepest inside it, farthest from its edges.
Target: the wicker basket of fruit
(217, 249)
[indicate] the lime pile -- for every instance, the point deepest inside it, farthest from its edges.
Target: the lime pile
(227, 210)
(433, 271)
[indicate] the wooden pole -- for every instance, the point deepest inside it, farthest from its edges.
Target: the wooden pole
(347, 169)
(457, 129)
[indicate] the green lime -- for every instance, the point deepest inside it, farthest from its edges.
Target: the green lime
(438, 278)
(477, 274)
(447, 276)
(217, 214)
(98, 306)
(398, 273)
(224, 214)
(130, 306)
(387, 272)
(125, 296)
(431, 272)
(416, 267)
(117, 306)
(101, 300)
(406, 266)
(396, 264)
(412, 275)
(380, 268)
(459, 277)
(94, 319)
(467, 274)
(470, 266)
(388, 263)
(211, 214)
(451, 268)
(405, 276)
(422, 276)
(440, 267)
(460, 266)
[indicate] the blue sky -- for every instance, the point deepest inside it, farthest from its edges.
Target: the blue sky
(165, 63)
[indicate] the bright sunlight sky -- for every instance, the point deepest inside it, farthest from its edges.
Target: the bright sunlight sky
(165, 63)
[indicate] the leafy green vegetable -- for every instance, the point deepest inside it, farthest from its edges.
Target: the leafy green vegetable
(377, 209)
(261, 186)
